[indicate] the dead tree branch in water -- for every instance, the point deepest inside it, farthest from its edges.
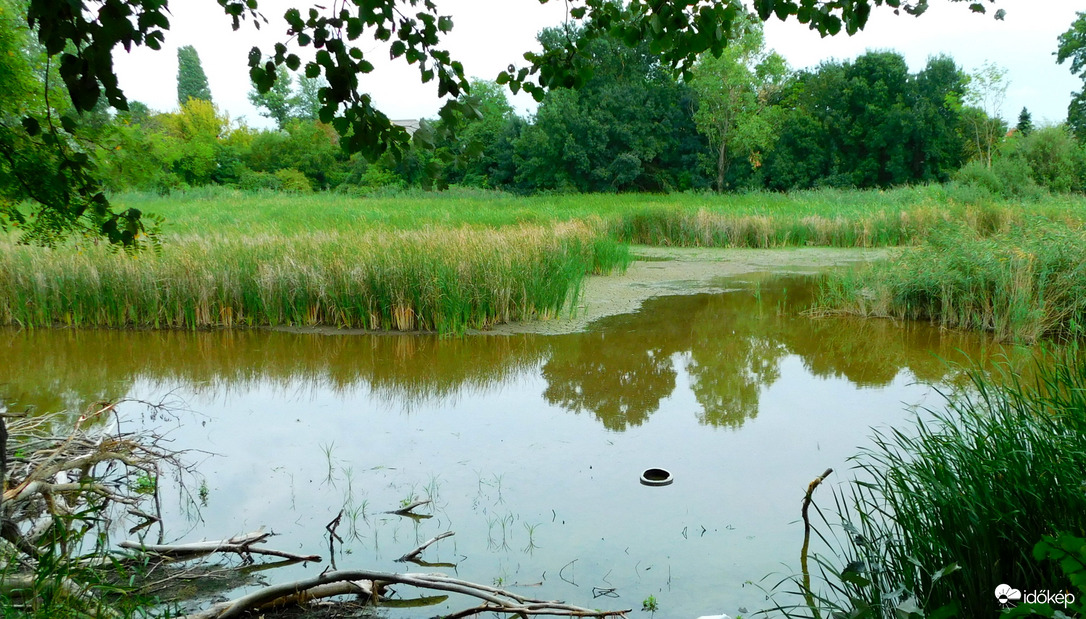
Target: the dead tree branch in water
(414, 554)
(371, 582)
(807, 537)
(242, 544)
(60, 487)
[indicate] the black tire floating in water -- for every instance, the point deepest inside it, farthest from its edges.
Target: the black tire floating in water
(656, 477)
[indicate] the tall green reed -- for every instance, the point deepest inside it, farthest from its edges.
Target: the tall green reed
(1021, 284)
(445, 280)
(942, 512)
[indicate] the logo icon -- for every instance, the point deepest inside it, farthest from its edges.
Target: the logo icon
(1007, 595)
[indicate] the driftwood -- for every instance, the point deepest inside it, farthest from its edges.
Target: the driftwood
(494, 600)
(414, 554)
(241, 544)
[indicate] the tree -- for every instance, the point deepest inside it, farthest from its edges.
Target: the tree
(627, 128)
(81, 37)
(1025, 123)
(481, 152)
(191, 80)
(732, 91)
(935, 146)
(986, 91)
(868, 123)
(287, 100)
(277, 102)
(1072, 44)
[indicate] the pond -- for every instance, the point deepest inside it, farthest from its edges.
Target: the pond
(530, 447)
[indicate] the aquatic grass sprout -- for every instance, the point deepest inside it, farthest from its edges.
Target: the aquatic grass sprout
(445, 280)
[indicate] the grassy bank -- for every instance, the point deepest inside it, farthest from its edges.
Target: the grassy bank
(1022, 283)
(443, 280)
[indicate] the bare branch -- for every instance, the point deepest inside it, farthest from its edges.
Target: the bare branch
(414, 554)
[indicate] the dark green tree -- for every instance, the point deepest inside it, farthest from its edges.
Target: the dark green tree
(935, 146)
(1025, 123)
(481, 154)
(307, 146)
(191, 80)
(629, 127)
(868, 123)
(1072, 45)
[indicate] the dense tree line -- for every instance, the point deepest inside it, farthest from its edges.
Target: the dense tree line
(739, 121)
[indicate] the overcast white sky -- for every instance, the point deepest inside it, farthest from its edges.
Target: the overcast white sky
(490, 34)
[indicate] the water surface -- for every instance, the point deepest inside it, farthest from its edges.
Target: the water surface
(530, 446)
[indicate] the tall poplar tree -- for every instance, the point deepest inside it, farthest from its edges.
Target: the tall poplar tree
(191, 80)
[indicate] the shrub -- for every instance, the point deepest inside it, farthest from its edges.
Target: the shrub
(1009, 177)
(293, 181)
(256, 181)
(1055, 159)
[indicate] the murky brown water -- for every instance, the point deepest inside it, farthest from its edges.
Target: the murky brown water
(531, 446)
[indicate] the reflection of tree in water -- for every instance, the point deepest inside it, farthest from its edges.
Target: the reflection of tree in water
(731, 358)
(732, 346)
(622, 373)
(618, 377)
(727, 376)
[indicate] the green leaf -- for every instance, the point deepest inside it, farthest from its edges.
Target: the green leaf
(69, 123)
(31, 125)
(950, 569)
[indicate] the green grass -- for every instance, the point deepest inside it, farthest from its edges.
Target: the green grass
(445, 280)
(1023, 283)
(762, 219)
(445, 261)
(940, 513)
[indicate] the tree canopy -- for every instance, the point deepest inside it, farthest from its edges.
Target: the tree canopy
(1072, 45)
(191, 79)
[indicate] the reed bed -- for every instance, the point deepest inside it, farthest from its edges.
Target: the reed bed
(1022, 284)
(445, 280)
(940, 513)
(446, 262)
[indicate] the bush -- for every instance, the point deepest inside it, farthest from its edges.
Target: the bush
(256, 181)
(293, 181)
(1055, 159)
(1009, 177)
